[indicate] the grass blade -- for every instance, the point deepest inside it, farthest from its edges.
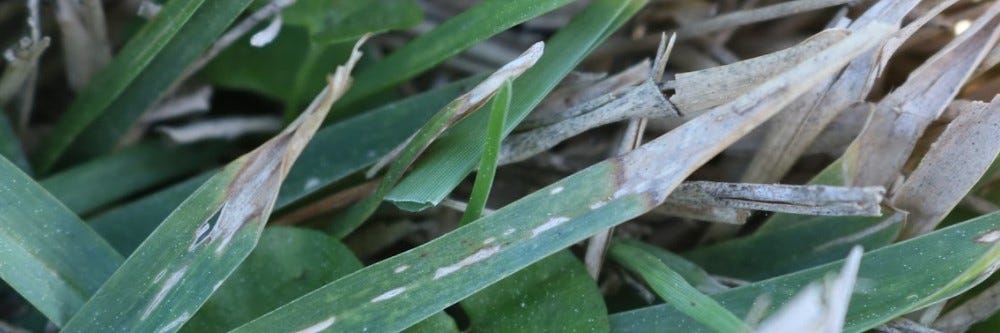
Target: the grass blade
(964, 254)
(671, 287)
(950, 169)
(173, 273)
(42, 246)
(127, 226)
(693, 274)
(486, 19)
(408, 152)
(876, 158)
(125, 173)
(373, 134)
(454, 156)
(488, 164)
(135, 79)
(402, 290)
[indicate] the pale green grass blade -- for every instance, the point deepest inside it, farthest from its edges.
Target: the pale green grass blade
(691, 272)
(136, 78)
(168, 278)
(672, 288)
(127, 226)
(893, 281)
(104, 180)
(553, 295)
(455, 155)
(488, 162)
(404, 155)
(287, 263)
(486, 19)
(10, 145)
(372, 134)
(48, 254)
(402, 290)
(811, 242)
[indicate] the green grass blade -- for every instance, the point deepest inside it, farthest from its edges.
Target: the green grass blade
(455, 155)
(170, 276)
(373, 134)
(486, 19)
(488, 163)
(10, 145)
(404, 289)
(954, 259)
(125, 173)
(125, 227)
(136, 78)
(692, 273)
(403, 156)
(49, 256)
(672, 287)
(813, 241)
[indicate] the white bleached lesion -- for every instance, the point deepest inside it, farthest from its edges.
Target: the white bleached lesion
(480, 255)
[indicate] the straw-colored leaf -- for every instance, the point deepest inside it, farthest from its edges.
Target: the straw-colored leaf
(877, 156)
(949, 170)
(800, 124)
(707, 88)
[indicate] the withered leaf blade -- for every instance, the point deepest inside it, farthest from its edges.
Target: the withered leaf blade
(796, 199)
(792, 131)
(885, 144)
(952, 166)
(170, 276)
(711, 87)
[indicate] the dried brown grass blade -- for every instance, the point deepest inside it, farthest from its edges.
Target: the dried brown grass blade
(707, 88)
(642, 101)
(899, 120)
(714, 214)
(952, 166)
(795, 199)
(644, 170)
(792, 132)
(744, 17)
